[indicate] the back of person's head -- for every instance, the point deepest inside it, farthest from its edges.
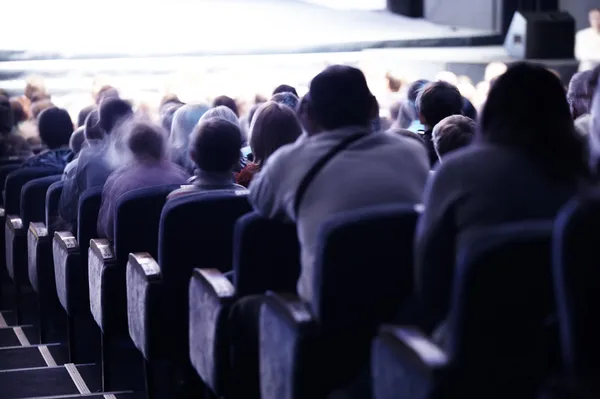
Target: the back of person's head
(167, 111)
(18, 111)
(287, 98)
(185, 120)
(468, 109)
(221, 112)
(274, 125)
(452, 133)
(527, 110)
(414, 89)
(227, 102)
(37, 107)
(77, 139)
(285, 89)
(579, 94)
(55, 127)
(92, 129)
(105, 92)
(113, 111)
(147, 142)
(340, 97)
(83, 114)
(6, 116)
(407, 134)
(215, 145)
(594, 132)
(169, 99)
(35, 89)
(252, 112)
(436, 101)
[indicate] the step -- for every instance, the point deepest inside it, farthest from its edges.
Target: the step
(15, 336)
(23, 357)
(7, 318)
(41, 382)
(107, 395)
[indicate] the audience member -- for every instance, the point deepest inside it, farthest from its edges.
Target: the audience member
(106, 92)
(221, 112)
(287, 98)
(453, 133)
(167, 111)
(11, 144)
(215, 149)
(527, 163)
(285, 89)
(227, 102)
(274, 126)
(55, 127)
(185, 120)
(18, 111)
(150, 167)
(436, 101)
(587, 42)
(83, 114)
(76, 143)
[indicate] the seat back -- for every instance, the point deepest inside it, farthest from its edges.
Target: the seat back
(87, 219)
(52, 200)
(196, 231)
(266, 255)
(5, 170)
(576, 280)
(363, 274)
(33, 199)
(15, 182)
(500, 329)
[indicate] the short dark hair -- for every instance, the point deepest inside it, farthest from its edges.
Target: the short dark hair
(92, 128)
(106, 91)
(468, 109)
(339, 97)
(147, 141)
(6, 116)
(438, 100)
(452, 133)
(83, 114)
(55, 127)
(19, 114)
(287, 98)
(274, 126)
(216, 145)
(227, 102)
(414, 89)
(113, 111)
(77, 139)
(285, 89)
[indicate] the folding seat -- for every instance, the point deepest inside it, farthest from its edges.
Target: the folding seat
(4, 172)
(69, 253)
(137, 218)
(22, 206)
(40, 262)
(195, 231)
(266, 256)
(363, 275)
(500, 339)
(576, 280)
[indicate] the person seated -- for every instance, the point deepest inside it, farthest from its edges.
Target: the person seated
(274, 126)
(527, 163)
(579, 95)
(185, 120)
(55, 127)
(83, 114)
(228, 102)
(408, 117)
(289, 99)
(362, 170)
(215, 149)
(76, 143)
(166, 112)
(285, 89)
(150, 167)
(102, 156)
(436, 101)
(11, 144)
(452, 133)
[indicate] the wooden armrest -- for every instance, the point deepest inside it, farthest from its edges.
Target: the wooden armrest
(217, 281)
(67, 240)
(291, 306)
(422, 346)
(38, 229)
(14, 222)
(102, 248)
(145, 263)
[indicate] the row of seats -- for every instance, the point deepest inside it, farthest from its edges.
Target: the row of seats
(166, 285)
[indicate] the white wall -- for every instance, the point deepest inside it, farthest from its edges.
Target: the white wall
(351, 4)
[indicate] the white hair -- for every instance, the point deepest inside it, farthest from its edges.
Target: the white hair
(220, 112)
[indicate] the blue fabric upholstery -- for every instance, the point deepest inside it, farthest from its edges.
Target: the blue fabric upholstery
(195, 231)
(137, 218)
(576, 280)
(52, 199)
(15, 182)
(363, 275)
(5, 170)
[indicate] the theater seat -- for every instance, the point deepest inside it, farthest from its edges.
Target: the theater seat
(4, 171)
(195, 231)
(501, 339)
(576, 280)
(24, 203)
(137, 218)
(363, 275)
(40, 262)
(70, 272)
(266, 256)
